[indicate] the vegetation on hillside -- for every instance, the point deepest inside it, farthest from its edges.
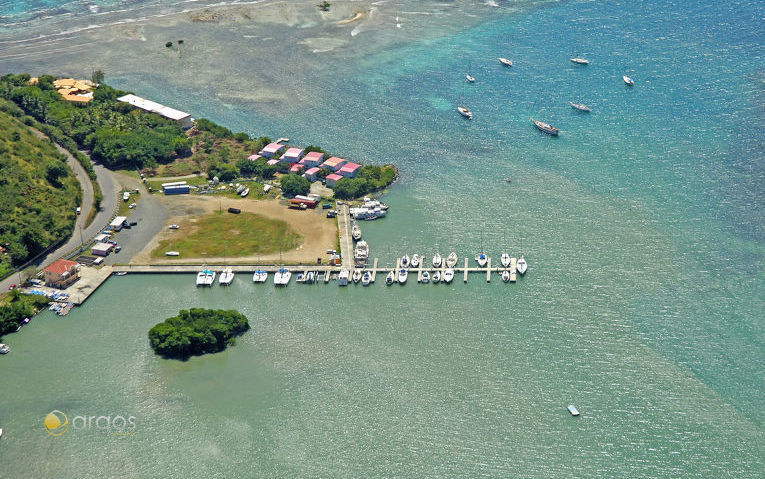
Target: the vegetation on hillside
(38, 193)
(293, 184)
(369, 179)
(197, 331)
(17, 307)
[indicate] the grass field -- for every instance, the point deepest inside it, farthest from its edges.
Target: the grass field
(229, 235)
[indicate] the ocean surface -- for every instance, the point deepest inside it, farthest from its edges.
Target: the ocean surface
(642, 225)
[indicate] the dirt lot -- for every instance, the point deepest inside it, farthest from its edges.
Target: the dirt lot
(319, 233)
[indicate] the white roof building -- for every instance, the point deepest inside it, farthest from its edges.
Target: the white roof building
(182, 118)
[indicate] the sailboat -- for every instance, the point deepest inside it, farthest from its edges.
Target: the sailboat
(436, 278)
(481, 257)
(366, 278)
(451, 260)
(470, 78)
(356, 275)
(448, 275)
(415, 261)
(425, 277)
(405, 261)
(437, 260)
(402, 274)
(390, 278)
(505, 260)
(465, 111)
(226, 276)
(521, 265)
(505, 276)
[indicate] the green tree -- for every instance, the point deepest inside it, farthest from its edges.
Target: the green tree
(293, 184)
(97, 77)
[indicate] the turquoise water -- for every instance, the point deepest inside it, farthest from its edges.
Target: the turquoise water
(642, 224)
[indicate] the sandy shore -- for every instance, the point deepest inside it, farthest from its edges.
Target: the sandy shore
(319, 233)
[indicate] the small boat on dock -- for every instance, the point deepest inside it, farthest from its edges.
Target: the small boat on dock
(201, 278)
(356, 232)
(226, 276)
(366, 278)
(361, 253)
(391, 278)
(481, 259)
(505, 276)
(172, 253)
(342, 277)
(505, 260)
(437, 260)
(579, 106)
(628, 81)
(464, 111)
(282, 277)
(448, 275)
(245, 192)
(121, 273)
(573, 410)
(356, 275)
(580, 61)
(425, 277)
(521, 265)
(505, 61)
(405, 261)
(436, 278)
(470, 78)
(415, 261)
(402, 274)
(259, 276)
(545, 127)
(451, 260)
(174, 227)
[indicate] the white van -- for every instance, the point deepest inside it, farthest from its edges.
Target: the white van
(79, 210)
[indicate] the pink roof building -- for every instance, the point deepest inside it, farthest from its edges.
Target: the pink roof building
(334, 163)
(292, 155)
(296, 168)
(254, 157)
(332, 179)
(312, 158)
(312, 174)
(271, 149)
(350, 170)
(272, 162)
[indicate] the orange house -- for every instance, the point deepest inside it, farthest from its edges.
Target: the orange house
(62, 273)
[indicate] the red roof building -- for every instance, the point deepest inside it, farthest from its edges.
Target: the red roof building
(332, 179)
(349, 170)
(312, 174)
(61, 273)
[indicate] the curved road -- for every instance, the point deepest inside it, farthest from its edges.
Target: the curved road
(109, 188)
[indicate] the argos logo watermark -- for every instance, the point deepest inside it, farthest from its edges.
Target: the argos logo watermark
(57, 423)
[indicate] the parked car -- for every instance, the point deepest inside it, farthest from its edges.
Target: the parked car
(79, 210)
(12, 287)
(117, 249)
(326, 206)
(132, 205)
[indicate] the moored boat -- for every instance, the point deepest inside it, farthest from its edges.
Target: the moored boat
(366, 278)
(505, 260)
(448, 275)
(521, 265)
(451, 260)
(402, 274)
(425, 277)
(361, 253)
(4, 349)
(628, 81)
(481, 259)
(405, 261)
(579, 106)
(282, 277)
(580, 61)
(545, 127)
(505, 276)
(356, 275)
(573, 410)
(390, 278)
(201, 278)
(415, 260)
(437, 260)
(464, 111)
(356, 232)
(259, 276)
(470, 78)
(226, 276)
(436, 278)
(342, 278)
(505, 61)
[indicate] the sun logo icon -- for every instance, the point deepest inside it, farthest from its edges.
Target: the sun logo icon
(56, 423)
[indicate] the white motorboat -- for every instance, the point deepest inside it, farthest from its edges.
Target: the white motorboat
(390, 278)
(415, 261)
(402, 274)
(505, 260)
(470, 78)
(310, 277)
(425, 277)
(356, 232)
(210, 278)
(628, 81)
(521, 265)
(464, 111)
(505, 61)
(405, 261)
(580, 61)
(245, 192)
(4, 349)
(437, 260)
(356, 275)
(573, 410)
(482, 259)
(366, 278)
(436, 278)
(173, 227)
(579, 106)
(226, 276)
(282, 277)
(361, 253)
(451, 260)
(505, 276)
(172, 253)
(201, 278)
(240, 188)
(448, 275)
(259, 276)
(342, 277)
